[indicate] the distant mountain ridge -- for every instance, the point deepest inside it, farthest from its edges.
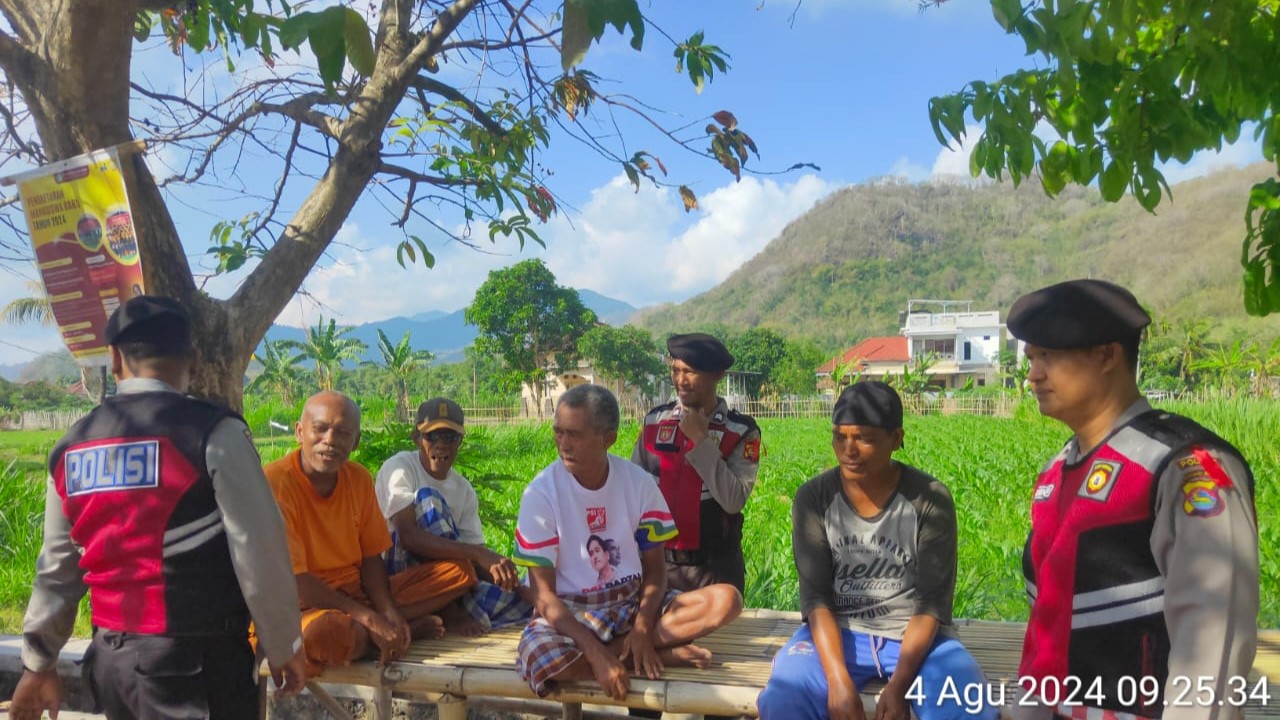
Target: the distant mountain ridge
(844, 270)
(447, 335)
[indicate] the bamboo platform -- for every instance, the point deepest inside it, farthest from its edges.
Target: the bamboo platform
(453, 669)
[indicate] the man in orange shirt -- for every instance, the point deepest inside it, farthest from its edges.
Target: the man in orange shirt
(336, 539)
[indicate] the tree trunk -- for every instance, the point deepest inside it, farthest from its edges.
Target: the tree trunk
(70, 61)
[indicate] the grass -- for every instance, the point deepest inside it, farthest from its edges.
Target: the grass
(988, 463)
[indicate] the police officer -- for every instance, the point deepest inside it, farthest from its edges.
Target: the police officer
(156, 504)
(705, 457)
(1142, 563)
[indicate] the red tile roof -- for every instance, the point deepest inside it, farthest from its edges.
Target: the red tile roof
(876, 349)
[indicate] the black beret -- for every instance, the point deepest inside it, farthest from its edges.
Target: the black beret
(869, 402)
(1077, 314)
(149, 318)
(700, 351)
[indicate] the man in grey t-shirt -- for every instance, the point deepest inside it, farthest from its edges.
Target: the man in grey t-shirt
(875, 550)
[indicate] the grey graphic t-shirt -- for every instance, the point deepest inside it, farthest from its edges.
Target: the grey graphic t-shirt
(876, 572)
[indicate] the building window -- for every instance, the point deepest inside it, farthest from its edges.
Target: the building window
(968, 350)
(945, 348)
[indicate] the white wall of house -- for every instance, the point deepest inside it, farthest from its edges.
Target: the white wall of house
(966, 343)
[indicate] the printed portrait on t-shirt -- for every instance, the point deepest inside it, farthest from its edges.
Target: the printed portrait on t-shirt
(605, 556)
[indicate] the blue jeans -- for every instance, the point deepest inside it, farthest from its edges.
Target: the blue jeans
(797, 687)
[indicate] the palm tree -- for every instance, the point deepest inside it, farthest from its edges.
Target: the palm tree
(327, 348)
(33, 309)
(38, 310)
(1224, 361)
(1264, 361)
(280, 372)
(401, 361)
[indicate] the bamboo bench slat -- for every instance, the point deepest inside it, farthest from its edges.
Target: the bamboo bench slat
(743, 653)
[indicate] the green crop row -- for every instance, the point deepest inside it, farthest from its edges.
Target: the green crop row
(988, 463)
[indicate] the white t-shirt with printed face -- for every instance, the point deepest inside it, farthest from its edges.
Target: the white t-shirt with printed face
(402, 476)
(593, 538)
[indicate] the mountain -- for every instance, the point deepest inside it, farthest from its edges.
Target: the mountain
(845, 269)
(446, 335)
(12, 372)
(610, 311)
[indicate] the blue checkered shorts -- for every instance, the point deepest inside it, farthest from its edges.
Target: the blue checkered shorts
(490, 605)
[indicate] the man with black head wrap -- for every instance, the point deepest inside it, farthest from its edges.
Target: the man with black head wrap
(875, 551)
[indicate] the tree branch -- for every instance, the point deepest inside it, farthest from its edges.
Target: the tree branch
(417, 177)
(427, 84)
(445, 24)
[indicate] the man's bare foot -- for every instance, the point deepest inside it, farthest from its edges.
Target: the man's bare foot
(427, 627)
(459, 622)
(685, 656)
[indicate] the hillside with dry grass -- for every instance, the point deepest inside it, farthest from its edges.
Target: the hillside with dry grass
(845, 269)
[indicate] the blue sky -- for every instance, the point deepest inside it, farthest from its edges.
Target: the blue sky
(843, 84)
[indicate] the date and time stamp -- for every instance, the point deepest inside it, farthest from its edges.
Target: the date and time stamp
(1202, 691)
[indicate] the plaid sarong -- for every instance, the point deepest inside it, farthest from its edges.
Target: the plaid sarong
(490, 605)
(543, 653)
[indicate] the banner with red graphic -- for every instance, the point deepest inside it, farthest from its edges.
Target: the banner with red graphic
(85, 246)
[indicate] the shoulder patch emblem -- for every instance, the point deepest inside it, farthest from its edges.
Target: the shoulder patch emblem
(1043, 492)
(1101, 478)
(1200, 498)
(751, 450)
(666, 434)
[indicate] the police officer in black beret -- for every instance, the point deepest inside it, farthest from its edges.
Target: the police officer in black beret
(1142, 560)
(705, 457)
(157, 506)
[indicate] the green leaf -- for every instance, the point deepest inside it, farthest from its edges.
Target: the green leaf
(633, 175)
(142, 24)
(358, 42)
(294, 31)
(585, 21)
(1115, 178)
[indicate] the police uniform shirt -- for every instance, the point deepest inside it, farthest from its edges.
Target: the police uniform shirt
(1206, 548)
(728, 481)
(248, 511)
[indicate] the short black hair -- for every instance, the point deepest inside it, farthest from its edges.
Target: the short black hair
(142, 351)
(1130, 347)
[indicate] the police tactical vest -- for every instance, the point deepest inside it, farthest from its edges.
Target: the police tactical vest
(1097, 595)
(702, 523)
(140, 501)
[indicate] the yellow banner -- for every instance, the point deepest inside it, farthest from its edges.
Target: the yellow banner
(85, 246)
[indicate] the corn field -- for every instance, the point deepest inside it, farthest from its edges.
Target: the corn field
(988, 462)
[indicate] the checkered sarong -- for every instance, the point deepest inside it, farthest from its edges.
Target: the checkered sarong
(490, 605)
(543, 653)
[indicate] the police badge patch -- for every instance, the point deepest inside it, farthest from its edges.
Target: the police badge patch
(1101, 478)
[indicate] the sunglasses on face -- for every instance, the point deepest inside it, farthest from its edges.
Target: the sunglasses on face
(448, 437)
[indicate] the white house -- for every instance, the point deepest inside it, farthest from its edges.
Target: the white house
(966, 344)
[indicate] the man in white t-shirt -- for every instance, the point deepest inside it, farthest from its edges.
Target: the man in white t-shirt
(591, 531)
(433, 514)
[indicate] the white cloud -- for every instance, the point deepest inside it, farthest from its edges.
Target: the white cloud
(639, 247)
(740, 220)
(1244, 151)
(910, 171)
(952, 162)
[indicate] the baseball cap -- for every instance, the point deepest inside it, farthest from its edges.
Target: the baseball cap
(439, 413)
(149, 318)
